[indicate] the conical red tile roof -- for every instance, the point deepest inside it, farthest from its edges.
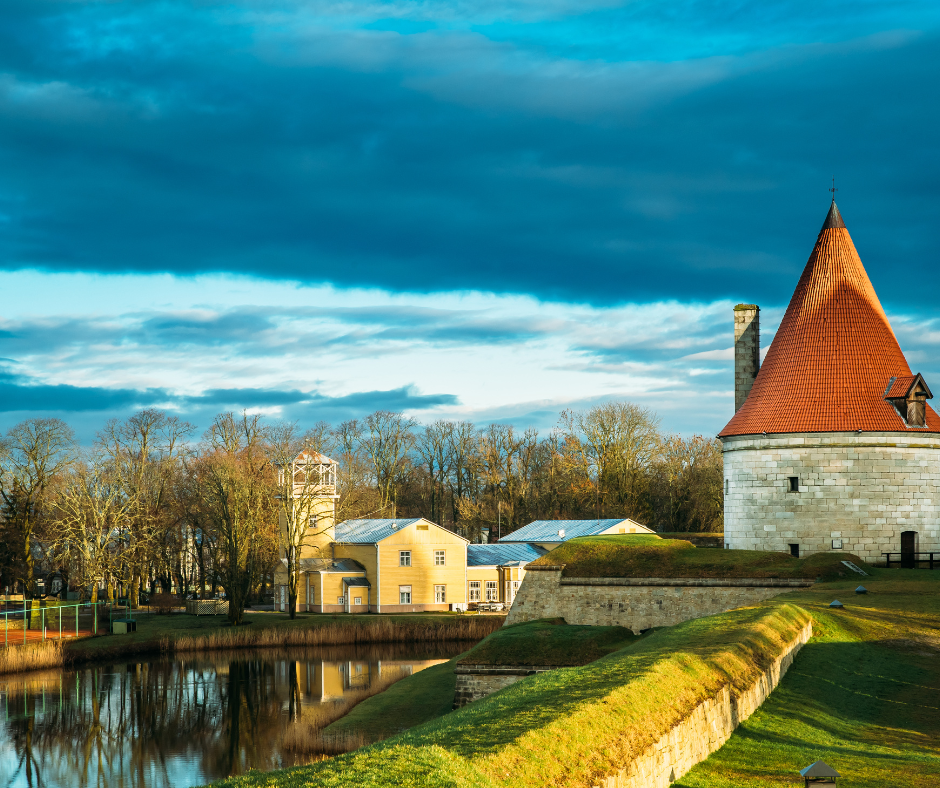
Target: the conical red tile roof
(833, 357)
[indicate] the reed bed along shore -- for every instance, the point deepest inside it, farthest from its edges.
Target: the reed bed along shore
(56, 654)
(470, 628)
(32, 656)
(305, 736)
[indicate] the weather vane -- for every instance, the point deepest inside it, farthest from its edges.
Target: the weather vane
(833, 189)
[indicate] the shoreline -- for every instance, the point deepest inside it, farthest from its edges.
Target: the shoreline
(306, 632)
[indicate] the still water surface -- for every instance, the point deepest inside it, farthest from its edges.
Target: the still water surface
(179, 722)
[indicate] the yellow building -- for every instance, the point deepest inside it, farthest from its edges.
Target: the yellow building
(495, 571)
(382, 566)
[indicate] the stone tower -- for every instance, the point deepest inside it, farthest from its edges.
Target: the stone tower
(835, 446)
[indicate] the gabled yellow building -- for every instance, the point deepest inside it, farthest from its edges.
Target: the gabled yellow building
(382, 566)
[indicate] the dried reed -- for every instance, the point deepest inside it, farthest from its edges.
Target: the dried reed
(341, 633)
(32, 656)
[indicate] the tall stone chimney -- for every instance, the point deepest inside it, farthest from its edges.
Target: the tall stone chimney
(746, 350)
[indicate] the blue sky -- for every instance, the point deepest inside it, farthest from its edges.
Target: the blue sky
(486, 210)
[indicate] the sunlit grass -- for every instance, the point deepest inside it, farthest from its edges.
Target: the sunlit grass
(650, 556)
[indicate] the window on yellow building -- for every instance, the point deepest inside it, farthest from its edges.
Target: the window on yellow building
(404, 558)
(340, 600)
(440, 597)
(492, 591)
(358, 600)
(438, 558)
(404, 595)
(474, 591)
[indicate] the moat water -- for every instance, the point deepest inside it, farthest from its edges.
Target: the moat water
(177, 723)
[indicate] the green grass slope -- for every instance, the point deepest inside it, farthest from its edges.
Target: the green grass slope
(863, 694)
(650, 556)
(572, 725)
(422, 697)
(548, 642)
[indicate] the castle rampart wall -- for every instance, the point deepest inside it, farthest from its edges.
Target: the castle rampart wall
(857, 492)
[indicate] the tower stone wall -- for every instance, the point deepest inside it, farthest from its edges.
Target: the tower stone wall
(855, 492)
(746, 351)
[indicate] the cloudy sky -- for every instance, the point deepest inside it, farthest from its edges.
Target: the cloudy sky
(484, 210)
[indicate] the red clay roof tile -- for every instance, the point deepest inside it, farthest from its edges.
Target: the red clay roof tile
(830, 363)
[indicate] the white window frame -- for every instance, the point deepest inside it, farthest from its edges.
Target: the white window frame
(358, 600)
(440, 558)
(404, 557)
(492, 590)
(340, 600)
(404, 595)
(440, 595)
(474, 594)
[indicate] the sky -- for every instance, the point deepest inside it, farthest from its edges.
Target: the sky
(469, 210)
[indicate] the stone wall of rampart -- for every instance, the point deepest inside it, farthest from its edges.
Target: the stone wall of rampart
(857, 492)
(705, 729)
(635, 603)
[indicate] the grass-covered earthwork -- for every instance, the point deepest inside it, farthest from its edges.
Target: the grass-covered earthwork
(548, 642)
(572, 725)
(651, 556)
(861, 695)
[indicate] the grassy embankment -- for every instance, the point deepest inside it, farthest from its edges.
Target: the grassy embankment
(429, 694)
(569, 726)
(651, 556)
(862, 695)
(179, 633)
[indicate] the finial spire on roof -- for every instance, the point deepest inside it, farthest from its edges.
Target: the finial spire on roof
(833, 218)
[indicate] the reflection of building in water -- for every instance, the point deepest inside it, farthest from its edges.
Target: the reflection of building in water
(167, 723)
(323, 681)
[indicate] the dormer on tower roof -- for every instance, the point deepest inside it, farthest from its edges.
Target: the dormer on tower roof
(830, 363)
(909, 395)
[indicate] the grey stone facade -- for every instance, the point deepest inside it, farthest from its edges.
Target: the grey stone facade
(635, 603)
(857, 492)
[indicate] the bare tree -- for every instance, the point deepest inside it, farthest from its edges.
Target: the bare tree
(237, 487)
(612, 443)
(146, 451)
(387, 439)
(32, 455)
(89, 520)
(305, 495)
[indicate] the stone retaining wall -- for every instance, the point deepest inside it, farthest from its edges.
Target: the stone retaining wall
(707, 728)
(635, 603)
(478, 681)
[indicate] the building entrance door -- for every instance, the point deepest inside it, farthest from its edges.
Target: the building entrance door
(908, 549)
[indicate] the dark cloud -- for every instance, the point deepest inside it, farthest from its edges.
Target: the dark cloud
(599, 154)
(20, 394)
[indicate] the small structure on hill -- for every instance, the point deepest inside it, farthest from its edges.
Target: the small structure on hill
(548, 534)
(833, 445)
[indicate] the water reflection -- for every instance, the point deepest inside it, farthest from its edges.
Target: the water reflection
(177, 723)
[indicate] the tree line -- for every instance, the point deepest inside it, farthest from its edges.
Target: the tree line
(150, 504)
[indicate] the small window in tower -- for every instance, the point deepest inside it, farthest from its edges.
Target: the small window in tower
(795, 550)
(727, 485)
(794, 482)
